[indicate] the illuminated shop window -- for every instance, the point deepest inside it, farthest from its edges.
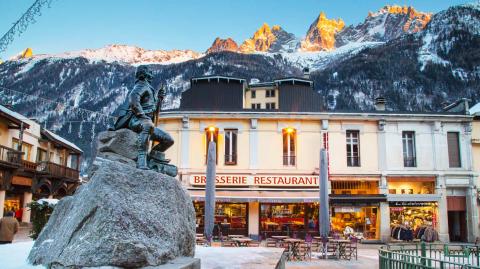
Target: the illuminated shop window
(412, 186)
(231, 146)
(453, 149)
(289, 146)
(353, 148)
(230, 218)
(354, 187)
(362, 221)
(409, 154)
(211, 134)
(288, 219)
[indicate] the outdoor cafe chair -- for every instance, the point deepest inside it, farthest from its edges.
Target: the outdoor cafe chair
(270, 243)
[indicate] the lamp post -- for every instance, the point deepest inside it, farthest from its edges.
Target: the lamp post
(210, 191)
(324, 216)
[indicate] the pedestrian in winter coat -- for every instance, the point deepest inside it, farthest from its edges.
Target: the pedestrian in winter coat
(8, 228)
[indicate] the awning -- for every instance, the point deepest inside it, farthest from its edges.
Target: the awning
(267, 196)
(357, 199)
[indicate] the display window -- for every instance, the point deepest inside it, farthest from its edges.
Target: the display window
(411, 187)
(361, 222)
(230, 218)
(408, 220)
(288, 219)
(12, 203)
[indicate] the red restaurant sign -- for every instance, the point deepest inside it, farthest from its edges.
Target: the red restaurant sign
(258, 180)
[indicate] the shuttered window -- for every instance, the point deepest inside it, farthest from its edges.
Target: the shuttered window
(453, 149)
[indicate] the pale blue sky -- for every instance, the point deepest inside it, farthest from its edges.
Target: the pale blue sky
(183, 24)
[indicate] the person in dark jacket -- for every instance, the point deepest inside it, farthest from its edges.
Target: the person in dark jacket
(8, 228)
(139, 112)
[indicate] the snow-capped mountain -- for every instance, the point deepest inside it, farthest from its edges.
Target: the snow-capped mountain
(223, 45)
(321, 34)
(267, 39)
(417, 70)
(388, 23)
(127, 54)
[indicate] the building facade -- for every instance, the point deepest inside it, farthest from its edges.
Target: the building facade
(385, 169)
(34, 163)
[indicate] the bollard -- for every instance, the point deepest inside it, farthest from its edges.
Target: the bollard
(423, 253)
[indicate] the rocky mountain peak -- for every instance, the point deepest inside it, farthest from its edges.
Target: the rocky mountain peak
(261, 41)
(223, 45)
(321, 34)
(386, 24)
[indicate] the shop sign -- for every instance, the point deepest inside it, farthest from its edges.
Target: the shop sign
(405, 203)
(347, 209)
(258, 180)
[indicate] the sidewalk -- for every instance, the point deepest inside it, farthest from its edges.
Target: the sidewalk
(367, 258)
(22, 235)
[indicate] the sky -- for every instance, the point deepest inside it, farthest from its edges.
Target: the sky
(182, 24)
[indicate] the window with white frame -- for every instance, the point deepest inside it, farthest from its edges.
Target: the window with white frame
(231, 146)
(353, 148)
(409, 154)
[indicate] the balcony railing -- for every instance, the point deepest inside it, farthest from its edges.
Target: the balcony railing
(27, 165)
(58, 170)
(10, 156)
(289, 160)
(231, 159)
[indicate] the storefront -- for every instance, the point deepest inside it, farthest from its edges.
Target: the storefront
(291, 219)
(230, 218)
(363, 220)
(413, 216)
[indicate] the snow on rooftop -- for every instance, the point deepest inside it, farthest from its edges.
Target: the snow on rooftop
(14, 114)
(63, 140)
(475, 110)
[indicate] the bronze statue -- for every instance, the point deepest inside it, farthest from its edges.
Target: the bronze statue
(139, 114)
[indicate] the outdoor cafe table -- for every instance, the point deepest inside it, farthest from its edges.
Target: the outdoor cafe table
(341, 247)
(236, 236)
(293, 248)
(242, 241)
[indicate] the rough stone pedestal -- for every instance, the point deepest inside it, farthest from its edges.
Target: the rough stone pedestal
(123, 217)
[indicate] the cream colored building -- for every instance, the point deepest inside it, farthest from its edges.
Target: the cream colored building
(385, 169)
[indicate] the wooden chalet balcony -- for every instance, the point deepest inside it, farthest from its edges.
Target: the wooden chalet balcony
(10, 157)
(57, 170)
(27, 165)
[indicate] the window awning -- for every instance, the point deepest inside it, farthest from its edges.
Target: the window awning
(357, 199)
(267, 196)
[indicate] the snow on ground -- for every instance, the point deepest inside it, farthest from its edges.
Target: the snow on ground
(14, 256)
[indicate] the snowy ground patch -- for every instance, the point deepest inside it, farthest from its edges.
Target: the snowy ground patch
(14, 256)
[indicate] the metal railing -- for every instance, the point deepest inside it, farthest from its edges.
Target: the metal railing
(409, 161)
(10, 155)
(231, 159)
(420, 256)
(289, 160)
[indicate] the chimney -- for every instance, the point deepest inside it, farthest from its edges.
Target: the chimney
(380, 104)
(306, 73)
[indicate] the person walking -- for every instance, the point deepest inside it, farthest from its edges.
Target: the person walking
(8, 228)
